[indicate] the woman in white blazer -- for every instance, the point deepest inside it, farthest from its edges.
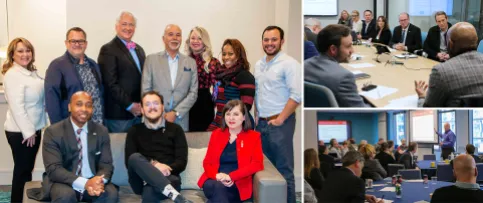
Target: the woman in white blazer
(24, 92)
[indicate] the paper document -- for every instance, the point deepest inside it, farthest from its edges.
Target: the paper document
(379, 92)
(414, 181)
(407, 102)
(400, 56)
(378, 185)
(357, 72)
(388, 189)
(362, 65)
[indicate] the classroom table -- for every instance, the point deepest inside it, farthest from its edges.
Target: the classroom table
(394, 76)
(411, 191)
(426, 164)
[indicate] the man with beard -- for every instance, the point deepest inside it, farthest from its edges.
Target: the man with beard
(458, 77)
(156, 153)
(335, 46)
(173, 75)
(277, 96)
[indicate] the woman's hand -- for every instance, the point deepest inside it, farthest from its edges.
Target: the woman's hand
(30, 141)
(224, 179)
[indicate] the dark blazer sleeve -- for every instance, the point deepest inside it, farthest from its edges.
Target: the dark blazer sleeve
(256, 163)
(396, 36)
(109, 68)
(316, 179)
(417, 44)
(53, 100)
(309, 50)
(180, 152)
(53, 162)
(384, 38)
(379, 169)
(406, 161)
(358, 188)
(431, 44)
(105, 166)
(348, 95)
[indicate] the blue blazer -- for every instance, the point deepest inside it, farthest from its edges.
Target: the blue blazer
(309, 50)
(61, 81)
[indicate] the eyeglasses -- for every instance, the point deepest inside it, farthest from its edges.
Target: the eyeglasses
(80, 42)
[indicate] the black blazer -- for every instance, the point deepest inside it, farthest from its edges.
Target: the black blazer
(121, 77)
(60, 155)
(432, 42)
(310, 36)
(384, 38)
(455, 194)
(413, 37)
(385, 159)
(371, 31)
(327, 164)
(373, 170)
(316, 180)
(343, 186)
(406, 161)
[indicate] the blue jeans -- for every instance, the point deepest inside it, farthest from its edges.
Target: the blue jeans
(277, 144)
(121, 126)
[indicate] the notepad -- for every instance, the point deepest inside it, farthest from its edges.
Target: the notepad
(410, 101)
(360, 75)
(379, 92)
(400, 56)
(361, 65)
(388, 189)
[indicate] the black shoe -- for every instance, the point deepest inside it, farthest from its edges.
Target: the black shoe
(181, 199)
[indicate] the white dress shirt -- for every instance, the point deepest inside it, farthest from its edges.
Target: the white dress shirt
(24, 92)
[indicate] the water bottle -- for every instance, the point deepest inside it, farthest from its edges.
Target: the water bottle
(398, 191)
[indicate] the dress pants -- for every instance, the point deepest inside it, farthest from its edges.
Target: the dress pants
(121, 126)
(216, 192)
(65, 193)
(24, 161)
(141, 171)
(277, 144)
(445, 152)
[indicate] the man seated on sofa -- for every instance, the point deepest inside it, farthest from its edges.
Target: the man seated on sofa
(156, 153)
(77, 158)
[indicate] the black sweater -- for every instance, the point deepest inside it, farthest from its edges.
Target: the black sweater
(456, 194)
(167, 145)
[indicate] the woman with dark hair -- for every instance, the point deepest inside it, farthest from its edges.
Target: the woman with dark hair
(234, 80)
(383, 33)
(385, 156)
(344, 19)
(234, 155)
(26, 116)
(312, 172)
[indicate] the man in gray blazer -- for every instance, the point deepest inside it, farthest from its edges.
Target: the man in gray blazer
(77, 158)
(174, 76)
(335, 46)
(458, 77)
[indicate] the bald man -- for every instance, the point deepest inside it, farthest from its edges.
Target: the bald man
(458, 77)
(77, 158)
(448, 139)
(174, 76)
(465, 189)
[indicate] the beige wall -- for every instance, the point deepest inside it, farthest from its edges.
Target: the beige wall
(45, 22)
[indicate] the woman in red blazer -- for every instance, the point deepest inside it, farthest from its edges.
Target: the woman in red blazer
(234, 155)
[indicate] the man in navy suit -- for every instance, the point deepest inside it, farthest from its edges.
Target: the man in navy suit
(70, 73)
(406, 36)
(121, 62)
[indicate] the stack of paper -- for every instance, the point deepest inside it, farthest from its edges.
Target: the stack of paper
(379, 92)
(361, 65)
(404, 102)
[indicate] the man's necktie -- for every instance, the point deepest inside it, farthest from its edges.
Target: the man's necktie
(403, 36)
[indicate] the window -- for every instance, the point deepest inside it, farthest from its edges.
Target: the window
(449, 117)
(400, 127)
(478, 130)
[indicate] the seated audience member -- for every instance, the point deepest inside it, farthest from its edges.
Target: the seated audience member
(378, 144)
(312, 172)
(309, 49)
(435, 44)
(458, 77)
(344, 19)
(344, 149)
(407, 159)
(400, 149)
(368, 30)
(383, 33)
(335, 45)
(311, 29)
(372, 168)
(465, 189)
(345, 185)
(356, 22)
(74, 174)
(406, 36)
(335, 148)
(234, 155)
(470, 150)
(385, 156)
(156, 153)
(352, 144)
(327, 162)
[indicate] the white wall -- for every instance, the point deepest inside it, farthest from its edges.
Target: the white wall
(3, 23)
(349, 6)
(45, 22)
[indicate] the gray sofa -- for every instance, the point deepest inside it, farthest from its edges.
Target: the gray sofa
(268, 185)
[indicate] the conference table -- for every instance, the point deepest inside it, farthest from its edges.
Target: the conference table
(400, 77)
(426, 164)
(412, 190)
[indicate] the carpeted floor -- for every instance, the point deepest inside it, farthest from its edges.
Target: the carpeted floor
(5, 194)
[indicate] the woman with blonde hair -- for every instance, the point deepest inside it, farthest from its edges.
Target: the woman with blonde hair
(312, 172)
(24, 92)
(356, 21)
(372, 168)
(344, 19)
(198, 46)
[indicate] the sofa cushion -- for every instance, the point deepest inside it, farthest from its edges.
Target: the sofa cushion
(194, 168)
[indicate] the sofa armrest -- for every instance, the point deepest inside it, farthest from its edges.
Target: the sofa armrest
(269, 185)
